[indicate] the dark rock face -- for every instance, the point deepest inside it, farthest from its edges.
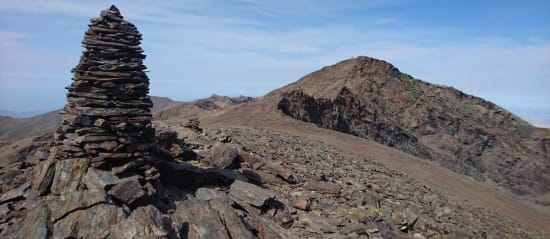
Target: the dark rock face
(347, 114)
(106, 123)
(370, 98)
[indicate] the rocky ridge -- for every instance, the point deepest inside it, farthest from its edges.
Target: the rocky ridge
(370, 98)
(214, 103)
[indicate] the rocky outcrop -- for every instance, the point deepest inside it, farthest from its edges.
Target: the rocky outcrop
(347, 114)
(370, 98)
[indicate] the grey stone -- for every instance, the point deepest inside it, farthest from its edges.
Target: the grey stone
(18, 193)
(209, 194)
(69, 202)
(358, 228)
(68, 174)
(234, 223)
(267, 229)
(247, 193)
(323, 187)
(43, 181)
(95, 222)
(97, 180)
(222, 156)
(196, 219)
(144, 222)
(36, 224)
(4, 211)
(128, 192)
(314, 223)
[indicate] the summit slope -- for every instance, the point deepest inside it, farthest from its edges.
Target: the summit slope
(372, 99)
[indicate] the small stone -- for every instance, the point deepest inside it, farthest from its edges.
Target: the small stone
(15, 194)
(314, 223)
(97, 180)
(270, 230)
(398, 218)
(5, 209)
(208, 194)
(358, 228)
(222, 156)
(128, 192)
(43, 181)
(323, 187)
(100, 123)
(301, 203)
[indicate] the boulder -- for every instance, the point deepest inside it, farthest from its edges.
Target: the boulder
(246, 193)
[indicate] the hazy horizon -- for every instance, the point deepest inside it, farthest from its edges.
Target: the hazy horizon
(497, 50)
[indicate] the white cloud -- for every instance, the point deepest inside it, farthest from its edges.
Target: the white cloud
(196, 48)
(10, 39)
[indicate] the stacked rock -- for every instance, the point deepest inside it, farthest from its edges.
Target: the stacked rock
(105, 137)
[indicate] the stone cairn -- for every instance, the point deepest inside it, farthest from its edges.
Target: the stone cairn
(105, 136)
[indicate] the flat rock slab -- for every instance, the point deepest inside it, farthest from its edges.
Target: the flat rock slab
(316, 223)
(208, 194)
(43, 181)
(68, 174)
(15, 194)
(36, 224)
(267, 229)
(144, 222)
(243, 192)
(196, 219)
(222, 156)
(234, 223)
(324, 187)
(96, 179)
(95, 222)
(70, 202)
(128, 192)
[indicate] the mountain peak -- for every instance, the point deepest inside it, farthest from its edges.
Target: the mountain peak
(370, 98)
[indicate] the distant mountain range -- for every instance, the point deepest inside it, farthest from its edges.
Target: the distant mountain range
(163, 107)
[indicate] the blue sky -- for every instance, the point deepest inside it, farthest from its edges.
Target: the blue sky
(498, 50)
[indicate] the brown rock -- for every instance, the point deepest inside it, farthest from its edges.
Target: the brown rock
(42, 183)
(15, 194)
(323, 187)
(144, 222)
(234, 223)
(94, 222)
(70, 202)
(68, 174)
(301, 203)
(246, 193)
(198, 220)
(222, 156)
(36, 224)
(128, 192)
(270, 230)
